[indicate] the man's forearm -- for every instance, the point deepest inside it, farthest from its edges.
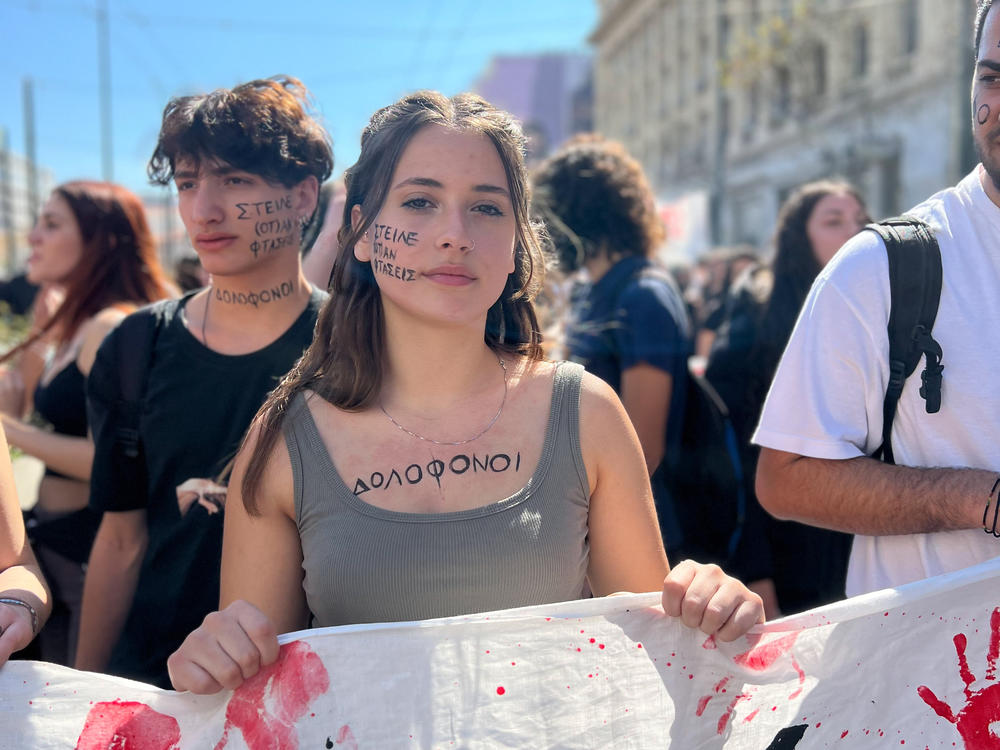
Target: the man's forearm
(865, 496)
(109, 588)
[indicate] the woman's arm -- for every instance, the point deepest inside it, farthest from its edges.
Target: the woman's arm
(69, 455)
(626, 551)
(261, 588)
(20, 577)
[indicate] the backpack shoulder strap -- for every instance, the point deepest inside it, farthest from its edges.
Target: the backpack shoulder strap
(137, 336)
(914, 291)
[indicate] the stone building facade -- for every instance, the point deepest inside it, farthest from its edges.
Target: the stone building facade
(742, 100)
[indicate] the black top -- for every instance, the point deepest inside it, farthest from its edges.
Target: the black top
(807, 564)
(62, 403)
(197, 406)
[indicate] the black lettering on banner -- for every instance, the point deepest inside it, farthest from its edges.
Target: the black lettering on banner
(399, 479)
(381, 479)
(436, 468)
(360, 487)
(420, 473)
(493, 462)
(464, 468)
(477, 464)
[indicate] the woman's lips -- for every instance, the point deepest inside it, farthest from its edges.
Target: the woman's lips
(450, 275)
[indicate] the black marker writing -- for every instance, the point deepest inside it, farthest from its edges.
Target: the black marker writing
(983, 114)
(262, 297)
(270, 244)
(396, 272)
(273, 226)
(435, 469)
(264, 208)
(387, 233)
(381, 251)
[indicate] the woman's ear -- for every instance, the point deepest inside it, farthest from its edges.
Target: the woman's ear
(363, 247)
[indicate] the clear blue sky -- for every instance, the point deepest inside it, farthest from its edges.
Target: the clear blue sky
(355, 56)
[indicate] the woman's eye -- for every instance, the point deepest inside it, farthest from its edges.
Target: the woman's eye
(417, 203)
(489, 209)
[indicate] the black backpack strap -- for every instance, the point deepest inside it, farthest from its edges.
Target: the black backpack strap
(914, 291)
(137, 335)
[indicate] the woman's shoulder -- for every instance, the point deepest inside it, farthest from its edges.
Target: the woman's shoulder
(92, 333)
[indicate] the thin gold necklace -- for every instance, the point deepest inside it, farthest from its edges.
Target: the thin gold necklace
(503, 366)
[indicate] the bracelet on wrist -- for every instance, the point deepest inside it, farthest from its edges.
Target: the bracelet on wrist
(21, 603)
(992, 528)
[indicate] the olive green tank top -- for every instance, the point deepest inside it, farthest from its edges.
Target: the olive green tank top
(366, 564)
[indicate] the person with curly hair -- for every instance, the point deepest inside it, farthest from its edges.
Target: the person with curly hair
(247, 163)
(628, 323)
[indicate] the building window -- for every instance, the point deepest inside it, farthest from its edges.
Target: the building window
(781, 103)
(860, 51)
(819, 71)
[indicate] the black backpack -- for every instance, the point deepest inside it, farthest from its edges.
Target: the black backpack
(914, 291)
(704, 476)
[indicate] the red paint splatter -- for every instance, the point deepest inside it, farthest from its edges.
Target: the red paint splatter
(600, 645)
(345, 737)
(982, 707)
(127, 725)
(501, 690)
(286, 687)
(751, 716)
(760, 658)
(709, 643)
(593, 640)
(638, 645)
(844, 733)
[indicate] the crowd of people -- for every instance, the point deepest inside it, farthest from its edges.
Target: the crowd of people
(351, 413)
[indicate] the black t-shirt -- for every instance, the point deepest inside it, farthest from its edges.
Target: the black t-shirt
(196, 408)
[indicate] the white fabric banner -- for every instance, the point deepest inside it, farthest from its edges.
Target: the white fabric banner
(912, 667)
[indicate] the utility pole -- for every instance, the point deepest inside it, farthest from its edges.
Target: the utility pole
(31, 168)
(104, 78)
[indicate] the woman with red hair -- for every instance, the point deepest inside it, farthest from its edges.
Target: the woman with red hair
(92, 243)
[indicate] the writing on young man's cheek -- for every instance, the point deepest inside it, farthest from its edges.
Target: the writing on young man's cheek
(273, 231)
(386, 242)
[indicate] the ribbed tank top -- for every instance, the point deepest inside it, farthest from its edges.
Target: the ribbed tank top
(366, 564)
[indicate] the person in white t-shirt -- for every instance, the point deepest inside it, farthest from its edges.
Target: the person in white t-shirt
(823, 415)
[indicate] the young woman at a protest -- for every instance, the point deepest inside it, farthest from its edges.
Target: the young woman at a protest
(91, 242)
(25, 602)
(793, 566)
(422, 459)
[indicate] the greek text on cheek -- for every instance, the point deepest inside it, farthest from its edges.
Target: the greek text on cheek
(385, 243)
(417, 473)
(274, 232)
(258, 298)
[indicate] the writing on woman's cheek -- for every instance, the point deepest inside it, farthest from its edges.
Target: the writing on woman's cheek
(386, 241)
(274, 231)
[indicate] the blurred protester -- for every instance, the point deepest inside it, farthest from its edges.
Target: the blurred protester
(715, 273)
(189, 274)
(320, 244)
(25, 603)
(91, 243)
(794, 567)
(18, 293)
(628, 323)
(247, 163)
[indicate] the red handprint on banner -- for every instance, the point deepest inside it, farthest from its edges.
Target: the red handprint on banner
(982, 707)
(265, 708)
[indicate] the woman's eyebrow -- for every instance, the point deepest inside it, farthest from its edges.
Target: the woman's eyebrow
(431, 182)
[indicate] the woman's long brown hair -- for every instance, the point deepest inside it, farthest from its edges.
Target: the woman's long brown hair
(346, 361)
(118, 265)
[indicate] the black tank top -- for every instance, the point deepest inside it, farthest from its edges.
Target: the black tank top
(62, 402)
